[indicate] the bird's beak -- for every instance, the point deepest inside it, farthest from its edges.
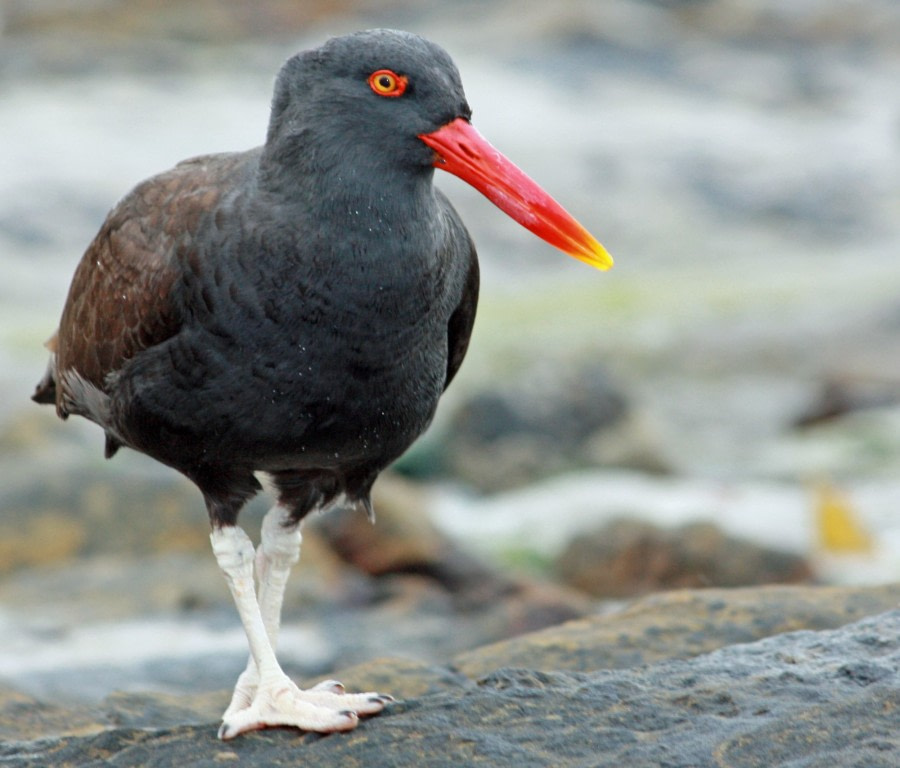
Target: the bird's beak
(464, 152)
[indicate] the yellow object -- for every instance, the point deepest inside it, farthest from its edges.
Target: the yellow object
(838, 528)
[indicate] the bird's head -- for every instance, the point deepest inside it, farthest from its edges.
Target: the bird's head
(381, 103)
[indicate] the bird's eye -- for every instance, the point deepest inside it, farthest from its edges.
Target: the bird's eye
(387, 83)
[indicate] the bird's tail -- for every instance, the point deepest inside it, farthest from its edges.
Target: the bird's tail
(45, 391)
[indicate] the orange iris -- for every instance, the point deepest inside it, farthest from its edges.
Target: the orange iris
(387, 83)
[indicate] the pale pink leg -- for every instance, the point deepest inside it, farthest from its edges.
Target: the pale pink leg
(264, 695)
(278, 552)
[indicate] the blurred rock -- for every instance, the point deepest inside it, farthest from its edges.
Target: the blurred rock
(420, 580)
(629, 557)
(111, 588)
(63, 517)
(838, 397)
(23, 717)
(402, 540)
(67, 533)
(125, 709)
(548, 420)
(799, 698)
(359, 591)
(61, 501)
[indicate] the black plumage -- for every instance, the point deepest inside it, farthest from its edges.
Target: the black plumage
(295, 310)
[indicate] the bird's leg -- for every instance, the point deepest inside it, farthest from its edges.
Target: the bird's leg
(278, 552)
(275, 699)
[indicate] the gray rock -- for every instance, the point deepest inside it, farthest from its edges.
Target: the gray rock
(800, 699)
(629, 557)
(842, 395)
(679, 625)
(549, 418)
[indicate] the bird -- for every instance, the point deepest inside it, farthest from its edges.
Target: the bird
(291, 315)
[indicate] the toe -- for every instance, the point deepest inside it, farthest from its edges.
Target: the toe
(360, 703)
(330, 686)
(237, 724)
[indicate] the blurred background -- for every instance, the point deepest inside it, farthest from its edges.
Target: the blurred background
(722, 408)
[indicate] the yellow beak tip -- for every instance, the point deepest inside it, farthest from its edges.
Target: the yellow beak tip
(598, 257)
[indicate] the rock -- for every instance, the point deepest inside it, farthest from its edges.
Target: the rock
(629, 557)
(839, 396)
(24, 717)
(135, 524)
(419, 571)
(166, 620)
(78, 507)
(112, 588)
(678, 625)
(547, 420)
(359, 592)
(171, 624)
(403, 540)
(803, 698)
(96, 517)
(402, 678)
(162, 710)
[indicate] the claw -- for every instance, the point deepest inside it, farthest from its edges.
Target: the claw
(330, 686)
(228, 732)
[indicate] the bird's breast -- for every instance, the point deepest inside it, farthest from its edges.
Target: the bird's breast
(338, 367)
(300, 346)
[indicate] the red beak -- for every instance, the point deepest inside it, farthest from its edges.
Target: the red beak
(464, 152)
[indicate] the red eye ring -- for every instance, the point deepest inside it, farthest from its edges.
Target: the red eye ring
(386, 82)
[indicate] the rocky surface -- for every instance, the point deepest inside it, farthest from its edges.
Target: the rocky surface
(680, 625)
(630, 557)
(797, 699)
(545, 421)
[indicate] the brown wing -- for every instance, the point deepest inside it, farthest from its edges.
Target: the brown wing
(120, 301)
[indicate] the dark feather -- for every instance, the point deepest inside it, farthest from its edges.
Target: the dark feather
(296, 309)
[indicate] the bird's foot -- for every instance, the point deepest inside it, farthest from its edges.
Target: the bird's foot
(325, 708)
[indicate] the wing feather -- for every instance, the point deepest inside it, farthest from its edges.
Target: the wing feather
(459, 329)
(121, 300)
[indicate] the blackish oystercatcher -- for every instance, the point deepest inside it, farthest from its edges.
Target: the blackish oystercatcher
(294, 312)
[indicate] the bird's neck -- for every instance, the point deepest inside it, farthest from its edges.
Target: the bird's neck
(361, 190)
(308, 161)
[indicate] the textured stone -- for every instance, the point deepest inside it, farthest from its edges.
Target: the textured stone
(401, 678)
(162, 710)
(680, 625)
(799, 699)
